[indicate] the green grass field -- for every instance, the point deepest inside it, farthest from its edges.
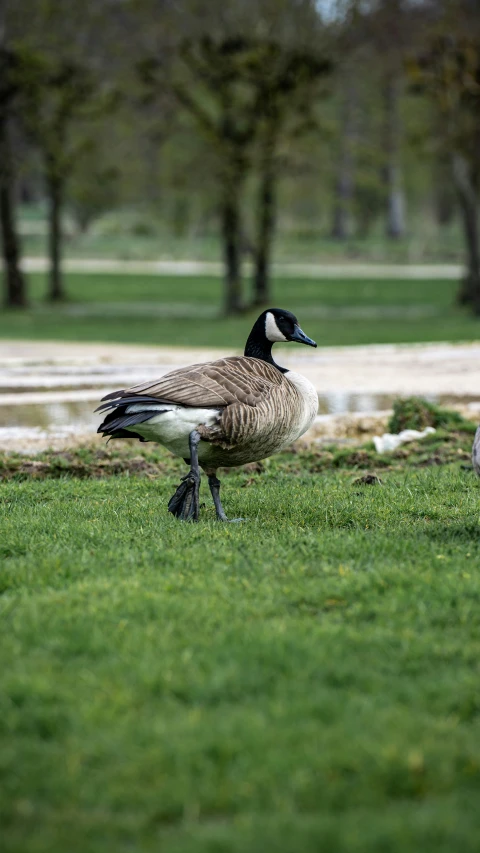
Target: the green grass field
(169, 311)
(140, 236)
(306, 681)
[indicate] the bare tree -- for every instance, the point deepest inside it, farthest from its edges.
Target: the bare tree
(345, 184)
(395, 221)
(449, 72)
(59, 94)
(15, 294)
(231, 126)
(59, 77)
(286, 79)
(466, 187)
(390, 25)
(237, 73)
(212, 82)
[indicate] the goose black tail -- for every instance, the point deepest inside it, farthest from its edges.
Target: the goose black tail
(116, 423)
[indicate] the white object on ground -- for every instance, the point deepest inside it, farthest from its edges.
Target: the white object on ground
(389, 441)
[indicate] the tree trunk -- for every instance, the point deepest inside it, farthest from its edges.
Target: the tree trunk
(153, 146)
(469, 293)
(231, 238)
(54, 187)
(266, 220)
(15, 294)
(344, 187)
(395, 225)
(444, 193)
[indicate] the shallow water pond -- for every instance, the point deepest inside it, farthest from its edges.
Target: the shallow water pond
(68, 415)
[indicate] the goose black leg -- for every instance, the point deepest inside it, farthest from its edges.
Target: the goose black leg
(214, 484)
(185, 502)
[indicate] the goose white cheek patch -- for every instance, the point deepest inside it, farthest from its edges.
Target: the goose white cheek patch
(272, 332)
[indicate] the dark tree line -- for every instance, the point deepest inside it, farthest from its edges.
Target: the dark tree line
(48, 91)
(253, 82)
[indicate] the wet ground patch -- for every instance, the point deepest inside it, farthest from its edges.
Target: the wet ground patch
(444, 447)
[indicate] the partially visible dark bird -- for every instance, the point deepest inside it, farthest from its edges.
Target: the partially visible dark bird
(476, 452)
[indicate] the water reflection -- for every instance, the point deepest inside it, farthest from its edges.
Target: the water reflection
(49, 416)
(341, 402)
(80, 414)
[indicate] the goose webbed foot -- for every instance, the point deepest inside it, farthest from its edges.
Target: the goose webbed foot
(185, 503)
(214, 484)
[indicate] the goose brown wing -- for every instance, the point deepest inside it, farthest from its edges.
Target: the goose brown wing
(238, 379)
(262, 423)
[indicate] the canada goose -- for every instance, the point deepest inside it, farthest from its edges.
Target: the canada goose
(222, 413)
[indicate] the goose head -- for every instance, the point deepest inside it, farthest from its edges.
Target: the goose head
(274, 326)
(284, 326)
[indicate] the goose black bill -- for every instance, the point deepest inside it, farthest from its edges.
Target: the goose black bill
(301, 337)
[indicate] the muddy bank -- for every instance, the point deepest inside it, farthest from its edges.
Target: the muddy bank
(48, 390)
(445, 447)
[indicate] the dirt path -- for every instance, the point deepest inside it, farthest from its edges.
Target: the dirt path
(379, 369)
(193, 268)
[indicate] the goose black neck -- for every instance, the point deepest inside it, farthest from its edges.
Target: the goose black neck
(258, 346)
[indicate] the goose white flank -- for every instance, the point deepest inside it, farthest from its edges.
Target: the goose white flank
(220, 414)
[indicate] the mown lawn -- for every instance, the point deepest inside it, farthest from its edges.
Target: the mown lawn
(307, 681)
(424, 245)
(174, 310)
